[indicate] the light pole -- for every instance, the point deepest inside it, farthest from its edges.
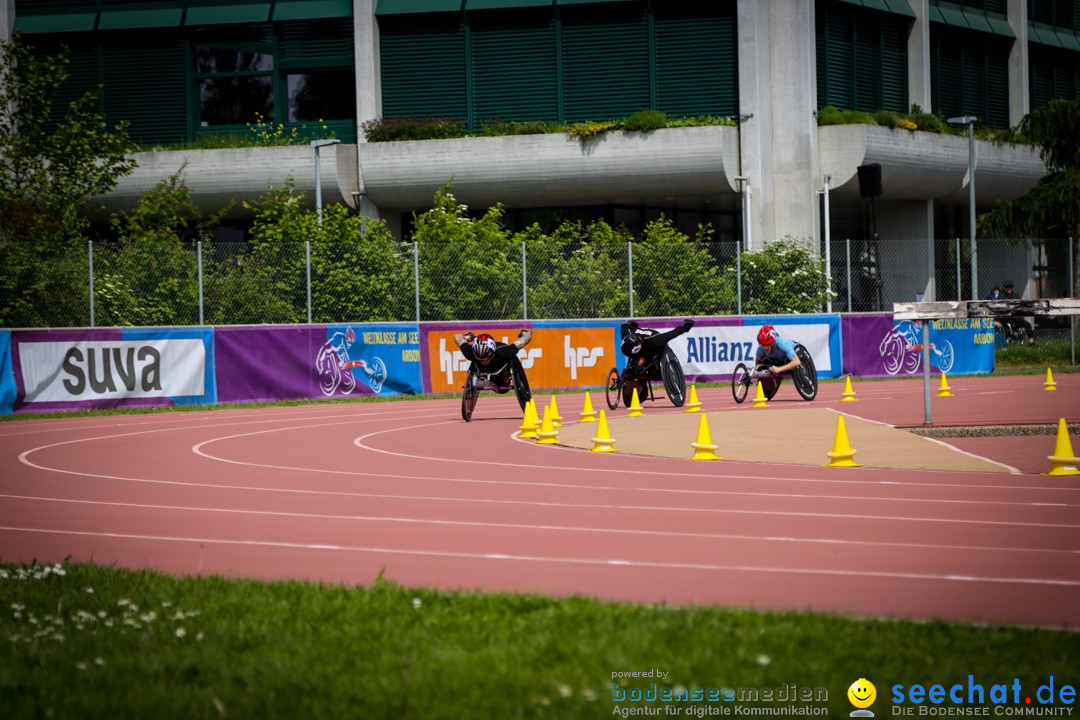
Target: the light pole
(318, 174)
(828, 246)
(970, 121)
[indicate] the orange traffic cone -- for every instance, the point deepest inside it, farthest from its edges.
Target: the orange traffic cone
(528, 424)
(842, 454)
(694, 405)
(587, 412)
(603, 442)
(848, 395)
(704, 448)
(1064, 460)
(635, 406)
(1049, 384)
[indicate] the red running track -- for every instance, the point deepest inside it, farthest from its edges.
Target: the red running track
(340, 493)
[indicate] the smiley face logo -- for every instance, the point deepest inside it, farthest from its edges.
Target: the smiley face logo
(862, 693)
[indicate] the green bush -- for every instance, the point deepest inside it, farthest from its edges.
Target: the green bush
(645, 121)
(390, 129)
(784, 277)
(498, 128)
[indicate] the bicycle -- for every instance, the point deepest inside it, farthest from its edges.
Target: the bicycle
(805, 378)
(510, 377)
(664, 368)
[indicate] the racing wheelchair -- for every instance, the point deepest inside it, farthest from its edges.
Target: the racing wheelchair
(805, 378)
(664, 368)
(510, 377)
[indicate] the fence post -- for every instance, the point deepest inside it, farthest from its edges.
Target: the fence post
(1072, 293)
(524, 287)
(959, 285)
(630, 264)
(738, 277)
(90, 251)
(847, 251)
(307, 255)
(200, 286)
(416, 276)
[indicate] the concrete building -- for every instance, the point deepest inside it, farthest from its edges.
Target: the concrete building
(178, 69)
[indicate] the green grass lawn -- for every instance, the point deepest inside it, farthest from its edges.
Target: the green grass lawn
(81, 641)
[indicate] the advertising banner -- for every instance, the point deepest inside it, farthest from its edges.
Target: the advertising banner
(58, 370)
(7, 375)
(877, 346)
(267, 363)
(561, 355)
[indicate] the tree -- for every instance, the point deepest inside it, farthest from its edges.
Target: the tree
(47, 173)
(1051, 208)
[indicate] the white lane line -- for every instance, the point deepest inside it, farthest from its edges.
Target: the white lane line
(565, 560)
(543, 527)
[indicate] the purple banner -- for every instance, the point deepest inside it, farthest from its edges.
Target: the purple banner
(875, 345)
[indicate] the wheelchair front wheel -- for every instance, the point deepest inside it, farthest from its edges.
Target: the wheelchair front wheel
(613, 389)
(805, 376)
(672, 375)
(740, 382)
(521, 383)
(469, 396)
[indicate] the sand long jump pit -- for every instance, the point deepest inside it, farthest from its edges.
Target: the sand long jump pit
(797, 437)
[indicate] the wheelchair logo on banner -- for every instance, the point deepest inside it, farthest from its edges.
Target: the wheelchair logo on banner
(901, 351)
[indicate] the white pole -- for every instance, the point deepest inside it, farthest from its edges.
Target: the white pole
(90, 250)
(828, 249)
(201, 316)
(971, 211)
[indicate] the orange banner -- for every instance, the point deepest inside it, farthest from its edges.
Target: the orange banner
(556, 357)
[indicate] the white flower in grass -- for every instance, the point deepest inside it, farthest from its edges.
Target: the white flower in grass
(123, 601)
(102, 614)
(678, 690)
(18, 615)
(148, 617)
(417, 603)
(99, 661)
(166, 604)
(90, 591)
(180, 632)
(108, 622)
(179, 615)
(763, 659)
(589, 694)
(17, 607)
(80, 665)
(565, 690)
(199, 636)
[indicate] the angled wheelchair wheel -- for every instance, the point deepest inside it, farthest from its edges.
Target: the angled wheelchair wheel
(469, 396)
(521, 383)
(771, 385)
(740, 382)
(628, 388)
(805, 376)
(613, 389)
(672, 374)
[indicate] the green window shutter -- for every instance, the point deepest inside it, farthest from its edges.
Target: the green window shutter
(697, 64)
(838, 68)
(605, 61)
(894, 65)
(423, 66)
(145, 84)
(1041, 11)
(1042, 77)
(996, 64)
(945, 67)
(515, 70)
(316, 43)
(84, 72)
(867, 63)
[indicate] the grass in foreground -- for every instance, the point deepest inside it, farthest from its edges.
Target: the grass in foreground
(81, 641)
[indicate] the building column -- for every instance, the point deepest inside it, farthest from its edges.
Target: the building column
(1019, 89)
(918, 47)
(907, 241)
(7, 19)
(368, 83)
(778, 98)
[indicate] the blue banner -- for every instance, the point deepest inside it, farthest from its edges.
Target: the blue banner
(383, 359)
(7, 374)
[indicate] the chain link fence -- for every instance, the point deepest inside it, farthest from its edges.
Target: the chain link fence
(107, 284)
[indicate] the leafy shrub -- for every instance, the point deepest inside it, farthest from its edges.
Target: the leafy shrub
(784, 277)
(886, 119)
(829, 115)
(645, 121)
(701, 121)
(498, 128)
(590, 129)
(391, 129)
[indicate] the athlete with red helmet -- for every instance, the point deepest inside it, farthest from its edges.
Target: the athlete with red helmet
(491, 356)
(775, 353)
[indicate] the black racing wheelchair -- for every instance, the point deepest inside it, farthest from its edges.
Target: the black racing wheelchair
(805, 378)
(510, 377)
(664, 368)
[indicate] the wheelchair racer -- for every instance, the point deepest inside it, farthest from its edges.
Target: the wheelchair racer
(643, 345)
(490, 356)
(776, 355)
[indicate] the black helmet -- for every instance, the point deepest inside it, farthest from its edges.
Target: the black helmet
(631, 344)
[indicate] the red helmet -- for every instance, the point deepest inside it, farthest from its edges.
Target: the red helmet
(483, 347)
(767, 335)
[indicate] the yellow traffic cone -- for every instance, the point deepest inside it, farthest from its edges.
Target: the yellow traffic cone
(547, 433)
(603, 442)
(759, 397)
(704, 448)
(556, 419)
(944, 390)
(528, 424)
(587, 412)
(848, 395)
(1049, 384)
(694, 405)
(842, 454)
(1064, 460)
(635, 406)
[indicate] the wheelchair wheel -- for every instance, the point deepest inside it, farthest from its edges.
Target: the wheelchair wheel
(672, 374)
(613, 388)
(805, 376)
(521, 383)
(771, 385)
(469, 396)
(740, 382)
(628, 388)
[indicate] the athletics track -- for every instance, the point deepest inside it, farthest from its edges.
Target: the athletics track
(340, 493)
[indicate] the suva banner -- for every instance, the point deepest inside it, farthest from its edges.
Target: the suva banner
(57, 370)
(7, 377)
(561, 354)
(877, 346)
(288, 362)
